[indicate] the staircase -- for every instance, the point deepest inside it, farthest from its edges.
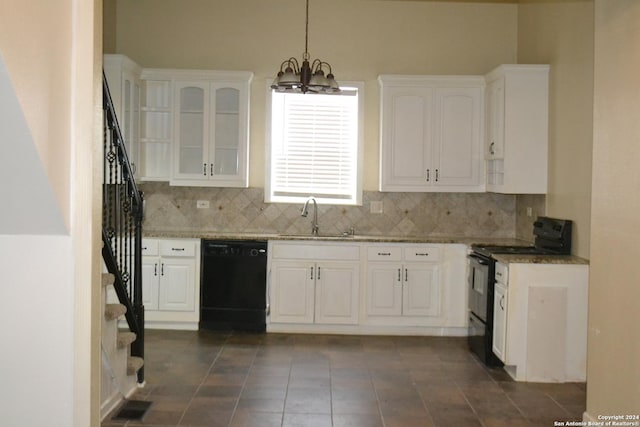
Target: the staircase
(119, 369)
(122, 211)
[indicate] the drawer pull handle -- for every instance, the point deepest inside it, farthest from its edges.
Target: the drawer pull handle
(422, 253)
(177, 249)
(384, 253)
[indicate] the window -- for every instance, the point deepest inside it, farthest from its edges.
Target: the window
(314, 147)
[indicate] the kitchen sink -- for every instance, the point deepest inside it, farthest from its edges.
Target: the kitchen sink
(320, 236)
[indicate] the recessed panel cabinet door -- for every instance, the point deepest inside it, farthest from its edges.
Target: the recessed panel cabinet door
(384, 291)
(150, 282)
(500, 322)
(337, 292)
(457, 142)
(177, 284)
(407, 132)
(292, 292)
(422, 290)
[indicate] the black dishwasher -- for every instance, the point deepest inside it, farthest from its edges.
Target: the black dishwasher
(233, 285)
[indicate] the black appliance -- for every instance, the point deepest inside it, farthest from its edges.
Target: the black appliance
(552, 237)
(233, 285)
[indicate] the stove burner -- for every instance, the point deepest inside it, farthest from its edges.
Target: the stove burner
(489, 250)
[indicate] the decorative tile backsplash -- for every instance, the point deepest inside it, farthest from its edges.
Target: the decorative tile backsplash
(524, 223)
(233, 210)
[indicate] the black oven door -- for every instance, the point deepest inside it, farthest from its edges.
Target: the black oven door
(479, 276)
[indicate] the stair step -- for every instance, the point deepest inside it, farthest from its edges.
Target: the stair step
(125, 338)
(114, 311)
(108, 279)
(134, 364)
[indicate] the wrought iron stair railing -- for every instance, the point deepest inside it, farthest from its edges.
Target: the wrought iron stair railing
(122, 213)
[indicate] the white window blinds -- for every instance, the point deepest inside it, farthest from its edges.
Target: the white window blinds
(314, 147)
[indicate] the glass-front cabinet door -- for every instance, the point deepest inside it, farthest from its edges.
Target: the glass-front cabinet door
(226, 132)
(211, 129)
(191, 130)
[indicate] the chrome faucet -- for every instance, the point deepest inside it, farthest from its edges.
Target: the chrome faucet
(305, 212)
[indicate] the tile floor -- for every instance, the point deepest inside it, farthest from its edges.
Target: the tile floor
(221, 379)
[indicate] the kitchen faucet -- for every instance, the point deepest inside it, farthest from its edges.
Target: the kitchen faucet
(305, 212)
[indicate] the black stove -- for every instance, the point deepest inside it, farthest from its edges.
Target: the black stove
(552, 237)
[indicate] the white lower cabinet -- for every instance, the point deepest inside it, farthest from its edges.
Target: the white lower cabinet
(402, 289)
(540, 321)
(367, 288)
(310, 284)
(500, 300)
(399, 286)
(170, 280)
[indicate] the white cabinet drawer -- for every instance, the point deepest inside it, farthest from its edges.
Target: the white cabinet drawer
(178, 248)
(502, 273)
(384, 253)
(150, 247)
(422, 253)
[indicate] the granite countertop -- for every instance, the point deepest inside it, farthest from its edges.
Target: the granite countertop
(505, 258)
(539, 259)
(333, 237)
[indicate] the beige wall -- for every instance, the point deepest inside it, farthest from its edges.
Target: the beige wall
(36, 51)
(359, 38)
(614, 336)
(560, 33)
(49, 49)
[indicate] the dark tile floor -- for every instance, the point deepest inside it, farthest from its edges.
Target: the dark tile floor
(222, 379)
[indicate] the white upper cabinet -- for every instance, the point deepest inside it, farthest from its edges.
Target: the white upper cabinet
(431, 131)
(211, 131)
(123, 78)
(157, 129)
(517, 114)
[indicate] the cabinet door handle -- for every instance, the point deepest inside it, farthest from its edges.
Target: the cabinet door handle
(427, 175)
(318, 272)
(311, 269)
(204, 169)
(406, 274)
(491, 151)
(155, 269)
(211, 172)
(436, 175)
(502, 302)
(399, 276)
(162, 269)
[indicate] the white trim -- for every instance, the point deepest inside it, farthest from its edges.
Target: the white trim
(359, 155)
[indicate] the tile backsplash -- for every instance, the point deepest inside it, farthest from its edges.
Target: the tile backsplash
(524, 222)
(232, 210)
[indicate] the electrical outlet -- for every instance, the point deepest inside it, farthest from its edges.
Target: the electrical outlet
(529, 211)
(376, 207)
(202, 204)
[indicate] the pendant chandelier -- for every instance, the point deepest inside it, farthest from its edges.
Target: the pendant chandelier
(304, 78)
